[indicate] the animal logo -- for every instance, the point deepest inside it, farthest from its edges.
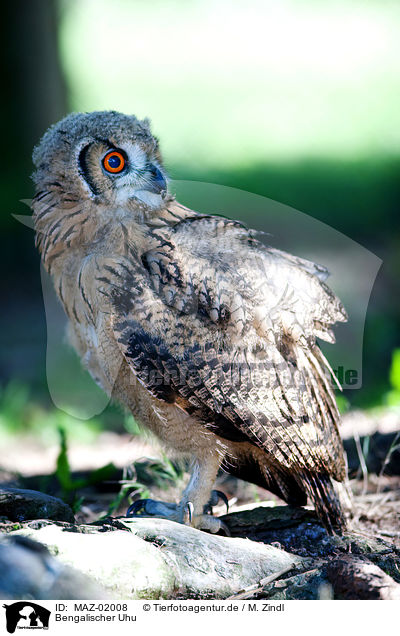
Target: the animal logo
(26, 615)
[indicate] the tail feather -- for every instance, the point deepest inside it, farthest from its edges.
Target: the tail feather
(322, 493)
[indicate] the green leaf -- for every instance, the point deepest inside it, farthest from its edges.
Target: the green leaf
(63, 470)
(394, 374)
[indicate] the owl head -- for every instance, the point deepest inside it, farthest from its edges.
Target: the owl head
(106, 157)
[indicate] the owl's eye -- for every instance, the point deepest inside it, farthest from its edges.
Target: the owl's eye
(114, 162)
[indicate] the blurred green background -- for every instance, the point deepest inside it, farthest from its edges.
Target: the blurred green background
(296, 100)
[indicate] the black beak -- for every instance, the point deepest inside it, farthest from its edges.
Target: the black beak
(158, 182)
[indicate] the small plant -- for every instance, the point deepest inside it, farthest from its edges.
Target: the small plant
(392, 397)
(68, 484)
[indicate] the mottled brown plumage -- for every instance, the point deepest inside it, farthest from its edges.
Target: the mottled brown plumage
(203, 332)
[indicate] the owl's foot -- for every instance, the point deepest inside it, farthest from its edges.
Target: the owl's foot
(182, 513)
(194, 509)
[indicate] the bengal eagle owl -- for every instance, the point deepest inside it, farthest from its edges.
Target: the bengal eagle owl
(205, 334)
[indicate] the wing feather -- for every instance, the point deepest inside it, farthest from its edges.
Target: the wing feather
(233, 339)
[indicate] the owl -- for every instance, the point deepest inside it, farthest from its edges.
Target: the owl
(206, 335)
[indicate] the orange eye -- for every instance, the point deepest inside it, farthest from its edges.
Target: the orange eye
(114, 162)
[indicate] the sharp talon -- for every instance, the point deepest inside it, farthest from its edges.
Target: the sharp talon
(216, 495)
(188, 515)
(222, 495)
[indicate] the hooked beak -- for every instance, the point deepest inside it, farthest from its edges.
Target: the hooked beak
(158, 182)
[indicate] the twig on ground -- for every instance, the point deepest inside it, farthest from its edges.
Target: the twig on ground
(252, 589)
(363, 464)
